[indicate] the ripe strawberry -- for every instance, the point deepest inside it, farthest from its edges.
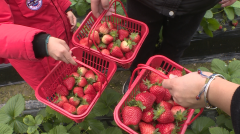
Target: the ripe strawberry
(131, 115)
(163, 115)
(81, 81)
(97, 86)
(234, 23)
(97, 28)
(95, 37)
(147, 128)
(129, 54)
(165, 105)
(74, 101)
(135, 37)
(104, 28)
(122, 34)
(126, 45)
(70, 108)
(220, 27)
(82, 71)
(88, 98)
(158, 91)
(174, 72)
(116, 52)
(78, 91)
(60, 100)
(167, 96)
(100, 78)
(110, 25)
(75, 74)
(105, 51)
(171, 102)
(168, 128)
(147, 116)
(90, 76)
(116, 43)
(69, 82)
(88, 89)
(147, 99)
(102, 46)
(144, 85)
(85, 42)
(81, 109)
(107, 39)
(154, 77)
(114, 34)
(62, 90)
(179, 113)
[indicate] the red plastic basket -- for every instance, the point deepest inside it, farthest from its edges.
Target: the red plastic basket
(90, 22)
(143, 70)
(45, 91)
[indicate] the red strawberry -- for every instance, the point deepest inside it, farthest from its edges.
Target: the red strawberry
(102, 46)
(131, 115)
(147, 116)
(100, 78)
(174, 72)
(81, 109)
(220, 27)
(78, 91)
(81, 81)
(74, 101)
(154, 77)
(129, 54)
(60, 100)
(167, 96)
(70, 108)
(171, 102)
(109, 47)
(97, 27)
(62, 90)
(84, 42)
(88, 89)
(126, 45)
(166, 105)
(144, 85)
(114, 34)
(234, 22)
(158, 91)
(90, 76)
(116, 52)
(107, 39)
(97, 86)
(116, 43)
(75, 74)
(179, 113)
(82, 71)
(104, 28)
(95, 37)
(147, 128)
(147, 99)
(135, 37)
(110, 25)
(88, 98)
(168, 128)
(163, 115)
(122, 34)
(69, 82)
(105, 51)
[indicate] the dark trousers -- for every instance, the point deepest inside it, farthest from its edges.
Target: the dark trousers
(177, 32)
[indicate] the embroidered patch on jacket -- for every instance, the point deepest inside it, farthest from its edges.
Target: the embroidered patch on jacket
(34, 4)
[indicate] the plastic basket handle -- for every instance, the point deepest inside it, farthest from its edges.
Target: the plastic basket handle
(200, 112)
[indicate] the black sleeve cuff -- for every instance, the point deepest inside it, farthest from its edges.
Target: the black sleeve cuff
(235, 111)
(68, 9)
(39, 46)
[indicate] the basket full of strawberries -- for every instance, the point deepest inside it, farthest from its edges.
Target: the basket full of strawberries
(74, 90)
(115, 37)
(147, 107)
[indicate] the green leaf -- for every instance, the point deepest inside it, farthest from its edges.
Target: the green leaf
(31, 129)
(208, 14)
(29, 120)
(237, 11)
(232, 132)
(233, 66)
(189, 131)
(4, 118)
(18, 125)
(47, 126)
(35, 132)
(5, 129)
(50, 110)
(228, 124)
(236, 4)
(75, 130)
(69, 125)
(73, 2)
(208, 31)
(15, 105)
(217, 6)
(95, 125)
(83, 125)
(230, 12)
(63, 118)
(42, 112)
(213, 24)
(100, 109)
(204, 23)
(88, 1)
(219, 66)
(218, 130)
(38, 119)
(112, 96)
(112, 130)
(58, 130)
(201, 124)
(119, 10)
(196, 111)
(204, 69)
(114, 123)
(236, 80)
(82, 7)
(220, 120)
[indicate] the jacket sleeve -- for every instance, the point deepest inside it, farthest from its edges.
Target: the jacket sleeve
(64, 4)
(16, 40)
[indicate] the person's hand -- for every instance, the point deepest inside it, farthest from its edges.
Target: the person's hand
(185, 89)
(227, 2)
(59, 50)
(72, 19)
(98, 6)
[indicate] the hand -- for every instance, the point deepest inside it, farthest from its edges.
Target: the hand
(72, 19)
(98, 6)
(59, 50)
(227, 2)
(185, 89)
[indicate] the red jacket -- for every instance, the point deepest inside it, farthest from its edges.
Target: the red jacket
(20, 20)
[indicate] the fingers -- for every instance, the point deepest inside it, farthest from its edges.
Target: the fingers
(167, 83)
(69, 58)
(227, 2)
(105, 4)
(95, 6)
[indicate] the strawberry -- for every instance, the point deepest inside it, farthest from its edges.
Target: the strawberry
(110, 25)
(122, 34)
(75, 74)
(62, 90)
(60, 100)
(168, 128)
(97, 27)
(88, 98)
(102, 46)
(74, 101)
(104, 28)
(224, 29)
(131, 115)
(78, 91)
(82, 71)
(116, 43)
(70, 108)
(146, 99)
(114, 34)
(95, 37)
(86, 42)
(174, 72)
(144, 85)
(179, 113)
(167, 96)
(135, 37)
(129, 54)
(220, 27)
(126, 45)
(158, 91)
(163, 115)
(90, 76)
(107, 39)
(147, 128)
(88, 89)
(116, 52)
(165, 105)
(147, 116)
(69, 82)
(234, 23)
(81, 81)
(105, 51)
(171, 102)
(97, 86)
(81, 109)
(154, 77)
(100, 78)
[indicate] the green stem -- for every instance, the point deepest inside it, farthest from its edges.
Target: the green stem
(40, 129)
(110, 108)
(218, 12)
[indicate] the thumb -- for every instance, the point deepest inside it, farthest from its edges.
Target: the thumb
(105, 4)
(167, 83)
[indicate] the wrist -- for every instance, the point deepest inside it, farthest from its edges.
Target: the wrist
(46, 44)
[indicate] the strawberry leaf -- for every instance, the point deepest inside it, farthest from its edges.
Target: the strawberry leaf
(75, 130)
(219, 66)
(58, 130)
(5, 129)
(112, 130)
(233, 66)
(218, 130)
(208, 14)
(100, 109)
(230, 12)
(202, 124)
